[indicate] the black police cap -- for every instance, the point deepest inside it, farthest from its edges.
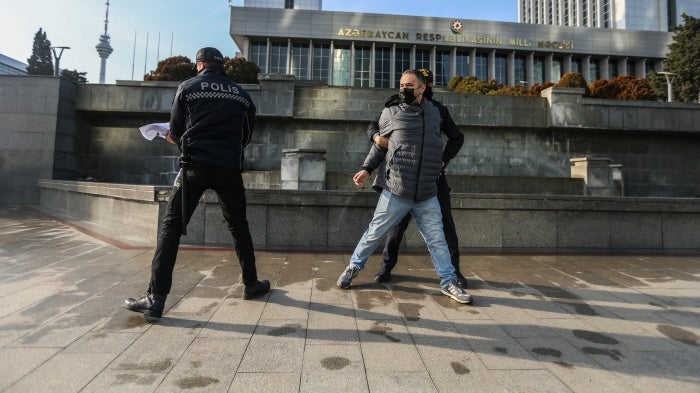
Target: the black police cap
(210, 55)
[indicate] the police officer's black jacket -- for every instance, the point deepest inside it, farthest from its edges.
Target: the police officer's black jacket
(218, 117)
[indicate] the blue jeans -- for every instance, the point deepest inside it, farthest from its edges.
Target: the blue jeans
(389, 211)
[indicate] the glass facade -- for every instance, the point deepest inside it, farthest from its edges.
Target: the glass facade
(482, 66)
(362, 66)
(402, 63)
(321, 62)
(382, 67)
(258, 54)
(441, 73)
(556, 69)
(422, 58)
(342, 62)
(538, 70)
(300, 61)
(519, 68)
(278, 58)
(462, 63)
(501, 69)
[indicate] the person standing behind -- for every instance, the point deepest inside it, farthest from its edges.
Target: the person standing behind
(413, 162)
(212, 117)
(455, 139)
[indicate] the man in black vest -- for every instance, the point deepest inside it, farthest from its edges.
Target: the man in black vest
(212, 122)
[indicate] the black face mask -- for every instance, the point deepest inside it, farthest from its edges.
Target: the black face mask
(407, 96)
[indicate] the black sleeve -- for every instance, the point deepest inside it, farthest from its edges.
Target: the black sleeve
(455, 138)
(177, 117)
(373, 128)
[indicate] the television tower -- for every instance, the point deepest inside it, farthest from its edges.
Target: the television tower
(103, 48)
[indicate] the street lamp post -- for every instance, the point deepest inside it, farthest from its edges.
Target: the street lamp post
(58, 57)
(669, 83)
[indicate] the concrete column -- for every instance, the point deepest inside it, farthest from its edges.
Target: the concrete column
(510, 67)
(548, 67)
(453, 64)
(392, 66)
(596, 174)
(640, 68)
(492, 64)
(622, 66)
(413, 57)
(472, 62)
(372, 57)
(586, 68)
(566, 65)
(288, 66)
(303, 169)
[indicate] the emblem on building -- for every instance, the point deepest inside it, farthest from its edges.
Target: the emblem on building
(456, 26)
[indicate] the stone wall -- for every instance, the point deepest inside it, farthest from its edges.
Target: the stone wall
(36, 123)
(335, 220)
(657, 144)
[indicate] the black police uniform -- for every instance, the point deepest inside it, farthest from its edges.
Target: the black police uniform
(216, 117)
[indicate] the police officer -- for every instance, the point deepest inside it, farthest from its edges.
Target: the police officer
(455, 139)
(212, 118)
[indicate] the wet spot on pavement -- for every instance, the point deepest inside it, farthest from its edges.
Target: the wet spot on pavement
(367, 300)
(324, 284)
(547, 352)
(678, 334)
(459, 368)
(410, 311)
(595, 337)
(284, 330)
(153, 367)
(196, 363)
(500, 350)
(335, 363)
(195, 382)
(123, 379)
(614, 353)
(381, 329)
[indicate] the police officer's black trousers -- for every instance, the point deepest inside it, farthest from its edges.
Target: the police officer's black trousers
(395, 235)
(228, 185)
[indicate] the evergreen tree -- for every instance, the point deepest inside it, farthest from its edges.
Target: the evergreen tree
(74, 76)
(683, 59)
(40, 62)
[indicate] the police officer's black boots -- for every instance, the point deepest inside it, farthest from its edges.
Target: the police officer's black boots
(151, 305)
(256, 289)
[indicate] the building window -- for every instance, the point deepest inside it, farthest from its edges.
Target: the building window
(482, 66)
(576, 65)
(594, 14)
(289, 4)
(462, 64)
(278, 58)
(501, 69)
(422, 58)
(606, 14)
(382, 67)
(362, 65)
(594, 70)
(538, 70)
(342, 62)
(648, 67)
(300, 61)
(441, 73)
(258, 55)
(402, 63)
(612, 69)
(584, 13)
(519, 68)
(321, 63)
(566, 13)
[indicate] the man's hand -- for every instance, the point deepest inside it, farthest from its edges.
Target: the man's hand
(169, 139)
(360, 177)
(381, 141)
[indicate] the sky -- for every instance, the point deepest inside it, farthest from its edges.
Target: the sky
(145, 31)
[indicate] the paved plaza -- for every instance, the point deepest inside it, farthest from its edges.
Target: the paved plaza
(539, 322)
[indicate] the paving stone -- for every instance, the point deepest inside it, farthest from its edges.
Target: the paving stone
(65, 372)
(400, 381)
(18, 362)
(277, 382)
